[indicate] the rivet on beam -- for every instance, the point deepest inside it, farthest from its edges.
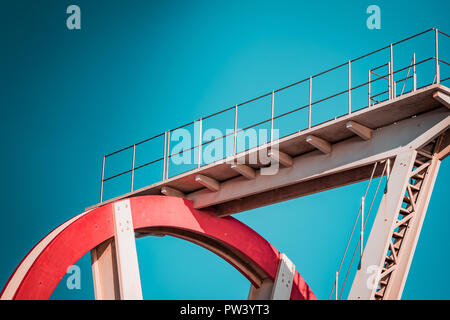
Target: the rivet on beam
(319, 143)
(168, 191)
(244, 170)
(207, 182)
(281, 157)
(360, 130)
(442, 98)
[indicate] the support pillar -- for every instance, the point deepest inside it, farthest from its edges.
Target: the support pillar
(365, 281)
(114, 262)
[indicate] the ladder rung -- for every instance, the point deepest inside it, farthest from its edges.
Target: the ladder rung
(406, 199)
(403, 211)
(418, 162)
(378, 295)
(425, 154)
(397, 235)
(418, 176)
(415, 188)
(383, 282)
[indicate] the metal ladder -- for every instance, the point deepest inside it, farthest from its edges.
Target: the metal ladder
(411, 199)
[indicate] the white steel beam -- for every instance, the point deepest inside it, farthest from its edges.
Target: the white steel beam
(171, 192)
(399, 275)
(386, 142)
(126, 255)
(319, 143)
(360, 130)
(281, 157)
(281, 288)
(207, 182)
(365, 282)
(244, 170)
(284, 279)
(264, 292)
(442, 98)
(104, 271)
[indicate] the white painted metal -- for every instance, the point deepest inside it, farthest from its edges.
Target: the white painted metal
(210, 183)
(126, 255)
(364, 283)
(168, 191)
(319, 143)
(264, 292)
(399, 275)
(385, 143)
(442, 98)
(281, 157)
(357, 128)
(104, 271)
(244, 170)
(284, 279)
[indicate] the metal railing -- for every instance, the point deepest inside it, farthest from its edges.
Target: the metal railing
(391, 91)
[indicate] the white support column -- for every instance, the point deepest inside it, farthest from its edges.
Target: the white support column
(115, 266)
(398, 278)
(364, 284)
(104, 271)
(281, 288)
(127, 260)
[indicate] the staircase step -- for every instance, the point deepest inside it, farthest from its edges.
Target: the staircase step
(425, 154)
(397, 235)
(404, 212)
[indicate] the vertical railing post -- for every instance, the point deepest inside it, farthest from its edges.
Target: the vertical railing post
(414, 73)
(103, 179)
(271, 117)
(349, 87)
(438, 75)
(369, 89)
(337, 284)
(235, 129)
(391, 69)
(310, 102)
(132, 167)
(389, 81)
(168, 154)
(165, 156)
(200, 141)
(362, 232)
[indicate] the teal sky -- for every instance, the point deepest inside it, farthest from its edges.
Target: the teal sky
(138, 68)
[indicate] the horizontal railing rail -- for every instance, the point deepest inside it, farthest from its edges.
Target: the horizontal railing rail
(391, 91)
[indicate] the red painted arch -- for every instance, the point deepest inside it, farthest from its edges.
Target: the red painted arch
(241, 246)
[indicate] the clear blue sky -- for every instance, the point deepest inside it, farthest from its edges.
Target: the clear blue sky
(137, 68)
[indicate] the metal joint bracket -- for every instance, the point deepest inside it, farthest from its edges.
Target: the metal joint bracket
(284, 279)
(127, 261)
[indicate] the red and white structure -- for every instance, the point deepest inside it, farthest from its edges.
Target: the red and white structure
(404, 137)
